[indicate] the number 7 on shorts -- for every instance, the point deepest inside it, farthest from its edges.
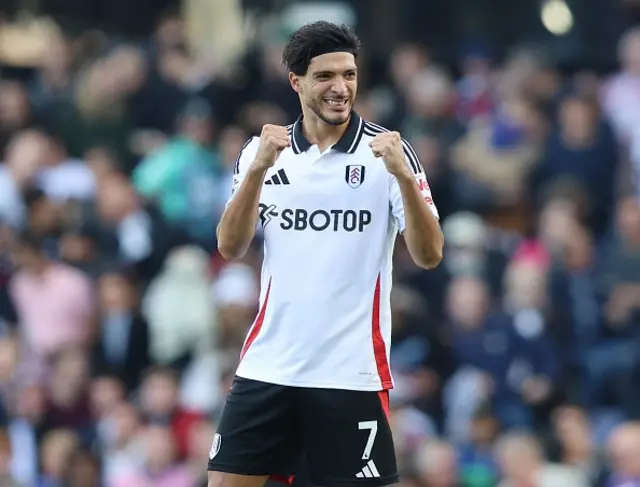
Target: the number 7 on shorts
(372, 426)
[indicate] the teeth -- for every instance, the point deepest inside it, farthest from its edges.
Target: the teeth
(335, 102)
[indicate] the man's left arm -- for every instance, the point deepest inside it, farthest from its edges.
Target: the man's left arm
(410, 198)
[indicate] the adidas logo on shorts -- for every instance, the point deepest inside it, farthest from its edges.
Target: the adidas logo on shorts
(369, 471)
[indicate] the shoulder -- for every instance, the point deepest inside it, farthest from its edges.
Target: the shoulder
(371, 129)
(246, 154)
(554, 474)
(17, 281)
(69, 272)
(4, 174)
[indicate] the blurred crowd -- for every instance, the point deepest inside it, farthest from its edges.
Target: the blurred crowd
(516, 361)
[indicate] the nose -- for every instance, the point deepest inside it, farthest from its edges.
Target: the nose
(339, 86)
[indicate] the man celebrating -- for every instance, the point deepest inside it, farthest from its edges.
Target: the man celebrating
(331, 193)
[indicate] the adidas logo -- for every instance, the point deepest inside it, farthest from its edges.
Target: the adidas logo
(279, 178)
(369, 471)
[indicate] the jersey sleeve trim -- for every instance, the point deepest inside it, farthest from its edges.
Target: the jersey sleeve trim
(236, 166)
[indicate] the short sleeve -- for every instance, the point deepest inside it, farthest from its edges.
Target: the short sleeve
(395, 197)
(241, 166)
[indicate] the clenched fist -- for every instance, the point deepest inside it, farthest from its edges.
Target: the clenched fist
(273, 140)
(388, 145)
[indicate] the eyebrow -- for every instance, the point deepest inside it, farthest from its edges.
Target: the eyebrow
(327, 71)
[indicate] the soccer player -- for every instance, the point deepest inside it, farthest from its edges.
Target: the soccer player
(331, 192)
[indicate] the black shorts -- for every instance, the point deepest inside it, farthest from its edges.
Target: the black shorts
(344, 436)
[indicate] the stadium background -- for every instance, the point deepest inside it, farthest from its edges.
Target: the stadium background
(515, 361)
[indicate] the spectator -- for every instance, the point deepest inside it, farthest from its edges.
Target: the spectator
(577, 443)
(476, 460)
(58, 448)
(6, 477)
(583, 150)
(470, 253)
(407, 60)
(420, 362)
(573, 298)
(26, 431)
(132, 234)
(8, 314)
(436, 465)
(45, 220)
(53, 80)
(624, 446)
(495, 157)
(522, 462)
(474, 87)
(611, 361)
(106, 393)
(24, 156)
(64, 311)
(159, 401)
(411, 428)
(516, 365)
(122, 347)
(98, 115)
(123, 454)
(179, 309)
(199, 446)
(15, 112)
(182, 177)
(63, 178)
(621, 95)
(83, 470)
(230, 144)
(235, 293)
(161, 467)
(431, 108)
(68, 394)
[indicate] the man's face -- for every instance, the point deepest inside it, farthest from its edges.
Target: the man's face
(329, 87)
(27, 258)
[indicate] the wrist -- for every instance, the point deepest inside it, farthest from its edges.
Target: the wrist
(257, 171)
(404, 177)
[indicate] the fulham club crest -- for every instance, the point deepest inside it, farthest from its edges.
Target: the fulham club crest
(215, 447)
(354, 175)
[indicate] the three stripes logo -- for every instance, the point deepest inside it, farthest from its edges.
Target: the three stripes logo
(278, 178)
(369, 471)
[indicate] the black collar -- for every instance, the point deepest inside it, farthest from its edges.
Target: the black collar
(348, 143)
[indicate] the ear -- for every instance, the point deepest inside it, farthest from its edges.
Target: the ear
(295, 82)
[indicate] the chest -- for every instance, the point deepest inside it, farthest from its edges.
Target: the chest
(326, 181)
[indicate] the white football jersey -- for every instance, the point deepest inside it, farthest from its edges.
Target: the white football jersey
(329, 220)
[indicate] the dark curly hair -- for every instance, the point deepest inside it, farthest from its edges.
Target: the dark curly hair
(315, 39)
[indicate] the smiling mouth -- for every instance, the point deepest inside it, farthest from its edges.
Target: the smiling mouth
(335, 103)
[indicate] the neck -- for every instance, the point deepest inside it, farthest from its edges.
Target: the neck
(39, 268)
(577, 142)
(319, 132)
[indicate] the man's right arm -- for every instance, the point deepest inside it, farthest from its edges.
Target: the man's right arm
(238, 223)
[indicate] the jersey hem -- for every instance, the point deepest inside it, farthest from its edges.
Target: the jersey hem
(317, 385)
(214, 466)
(369, 482)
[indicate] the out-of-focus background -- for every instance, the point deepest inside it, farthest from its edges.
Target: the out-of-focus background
(517, 361)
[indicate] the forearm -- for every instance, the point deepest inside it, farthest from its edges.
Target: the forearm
(238, 223)
(422, 232)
